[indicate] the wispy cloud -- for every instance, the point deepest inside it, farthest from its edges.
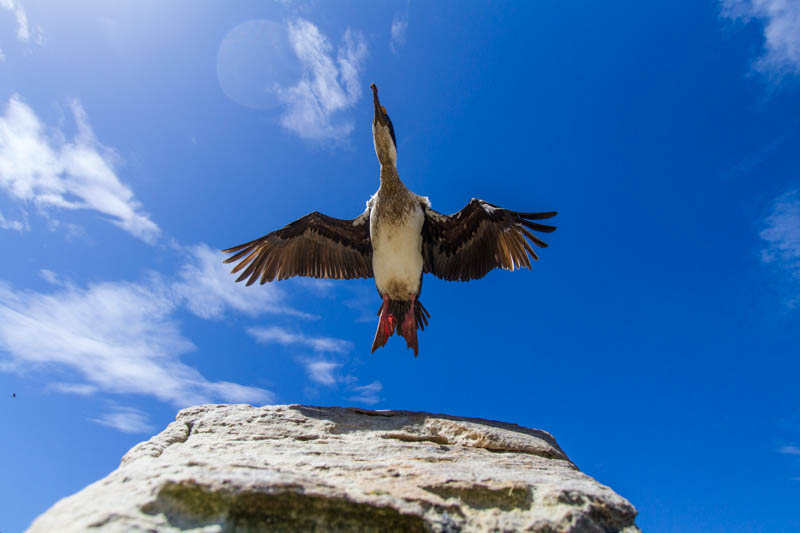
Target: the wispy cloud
(11, 224)
(752, 161)
(119, 337)
(789, 450)
(399, 28)
(54, 174)
(363, 302)
(321, 371)
(23, 32)
(207, 288)
(781, 23)
(782, 233)
(319, 287)
(278, 335)
(50, 277)
(123, 337)
(328, 87)
(368, 394)
(782, 236)
(126, 419)
(80, 389)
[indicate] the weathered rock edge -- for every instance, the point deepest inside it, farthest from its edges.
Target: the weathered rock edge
(238, 468)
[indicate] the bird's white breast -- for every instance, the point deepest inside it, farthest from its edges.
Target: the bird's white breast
(397, 253)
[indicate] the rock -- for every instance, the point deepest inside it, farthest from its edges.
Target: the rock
(297, 468)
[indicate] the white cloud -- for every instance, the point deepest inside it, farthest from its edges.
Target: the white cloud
(50, 277)
(2, 56)
(278, 335)
(65, 175)
(319, 287)
(321, 371)
(127, 420)
(781, 22)
(783, 233)
(23, 32)
(790, 450)
(752, 161)
(782, 236)
(81, 389)
(123, 338)
(368, 394)
(11, 224)
(327, 87)
(207, 288)
(399, 28)
(363, 301)
(120, 337)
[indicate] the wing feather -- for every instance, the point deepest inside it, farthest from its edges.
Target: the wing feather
(316, 246)
(536, 240)
(468, 244)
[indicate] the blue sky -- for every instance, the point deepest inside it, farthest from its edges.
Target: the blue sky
(656, 339)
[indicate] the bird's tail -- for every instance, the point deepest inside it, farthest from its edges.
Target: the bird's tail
(399, 308)
(397, 311)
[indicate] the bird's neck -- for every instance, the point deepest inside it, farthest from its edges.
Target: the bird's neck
(390, 180)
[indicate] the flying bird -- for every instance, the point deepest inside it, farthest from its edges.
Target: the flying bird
(395, 240)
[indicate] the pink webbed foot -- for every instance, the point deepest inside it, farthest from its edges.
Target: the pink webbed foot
(386, 325)
(408, 329)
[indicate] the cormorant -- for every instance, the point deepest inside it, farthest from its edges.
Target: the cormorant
(395, 240)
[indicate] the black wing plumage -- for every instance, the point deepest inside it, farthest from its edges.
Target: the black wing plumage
(316, 246)
(468, 244)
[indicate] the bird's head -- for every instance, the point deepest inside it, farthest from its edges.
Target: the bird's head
(383, 132)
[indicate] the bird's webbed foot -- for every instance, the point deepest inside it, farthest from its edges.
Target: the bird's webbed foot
(408, 329)
(386, 325)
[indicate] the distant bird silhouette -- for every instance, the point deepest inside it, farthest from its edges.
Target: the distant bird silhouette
(395, 240)
(13, 394)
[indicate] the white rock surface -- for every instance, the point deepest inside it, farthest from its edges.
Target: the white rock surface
(238, 468)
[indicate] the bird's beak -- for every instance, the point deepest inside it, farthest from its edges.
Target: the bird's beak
(380, 112)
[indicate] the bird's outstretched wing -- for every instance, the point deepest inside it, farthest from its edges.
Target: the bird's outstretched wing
(317, 246)
(468, 244)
